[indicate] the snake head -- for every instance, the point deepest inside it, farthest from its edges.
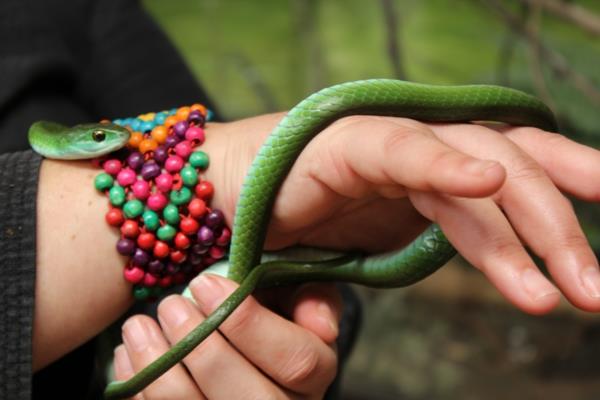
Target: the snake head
(94, 140)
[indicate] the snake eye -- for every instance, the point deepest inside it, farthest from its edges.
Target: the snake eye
(98, 135)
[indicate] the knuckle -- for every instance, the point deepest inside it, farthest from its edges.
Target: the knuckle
(242, 319)
(525, 168)
(503, 247)
(303, 365)
(573, 240)
(395, 140)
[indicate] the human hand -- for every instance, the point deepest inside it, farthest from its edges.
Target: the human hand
(364, 182)
(255, 354)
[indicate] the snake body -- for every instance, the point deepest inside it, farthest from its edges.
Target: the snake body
(423, 256)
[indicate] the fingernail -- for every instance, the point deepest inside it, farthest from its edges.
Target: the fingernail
(479, 167)
(135, 335)
(536, 285)
(173, 312)
(121, 362)
(329, 317)
(590, 277)
(208, 291)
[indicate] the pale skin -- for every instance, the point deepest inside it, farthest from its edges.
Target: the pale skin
(492, 193)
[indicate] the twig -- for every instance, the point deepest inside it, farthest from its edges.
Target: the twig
(554, 60)
(393, 46)
(572, 12)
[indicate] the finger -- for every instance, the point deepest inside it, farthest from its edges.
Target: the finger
(539, 213)
(481, 233)
(214, 364)
(292, 356)
(123, 368)
(145, 342)
(395, 151)
(562, 159)
(314, 306)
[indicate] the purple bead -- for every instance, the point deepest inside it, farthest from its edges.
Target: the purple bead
(206, 236)
(186, 268)
(214, 219)
(135, 160)
(172, 268)
(171, 141)
(199, 249)
(150, 170)
(160, 154)
(126, 246)
(156, 267)
(140, 257)
(180, 127)
(196, 117)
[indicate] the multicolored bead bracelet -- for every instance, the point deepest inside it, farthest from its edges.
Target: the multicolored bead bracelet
(160, 202)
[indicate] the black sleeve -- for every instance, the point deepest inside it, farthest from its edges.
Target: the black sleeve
(18, 189)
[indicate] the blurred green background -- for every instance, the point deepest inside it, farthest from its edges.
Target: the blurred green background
(452, 336)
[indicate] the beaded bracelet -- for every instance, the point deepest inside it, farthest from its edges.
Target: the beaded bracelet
(160, 202)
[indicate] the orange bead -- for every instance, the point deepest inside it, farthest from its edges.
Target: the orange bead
(159, 133)
(135, 139)
(148, 145)
(183, 113)
(198, 107)
(170, 121)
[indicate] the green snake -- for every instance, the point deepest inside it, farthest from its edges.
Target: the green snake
(429, 251)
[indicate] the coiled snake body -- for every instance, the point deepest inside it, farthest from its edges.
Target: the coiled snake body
(423, 256)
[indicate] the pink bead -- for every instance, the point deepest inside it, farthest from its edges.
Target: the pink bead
(150, 280)
(183, 149)
(224, 238)
(195, 133)
(156, 201)
(112, 166)
(174, 164)
(141, 189)
(216, 252)
(164, 182)
(126, 177)
(134, 274)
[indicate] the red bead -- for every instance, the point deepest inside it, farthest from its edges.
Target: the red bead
(189, 226)
(179, 278)
(146, 240)
(216, 252)
(224, 238)
(208, 261)
(181, 241)
(161, 249)
(197, 208)
(165, 281)
(130, 229)
(204, 190)
(133, 275)
(178, 256)
(114, 217)
(150, 280)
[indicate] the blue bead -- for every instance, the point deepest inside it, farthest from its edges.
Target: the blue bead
(135, 124)
(209, 115)
(159, 118)
(172, 111)
(146, 126)
(128, 121)
(119, 122)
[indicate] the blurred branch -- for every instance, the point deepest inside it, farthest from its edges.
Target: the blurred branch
(393, 46)
(256, 81)
(583, 18)
(535, 55)
(306, 17)
(555, 61)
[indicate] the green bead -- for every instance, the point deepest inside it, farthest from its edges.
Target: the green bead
(181, 197)
(171, 214)
(103, 181)
(189, 176)
(199, 159)
(141, 292)
(151, 220)
(116, 195)
(133, 208)
(166, 232)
